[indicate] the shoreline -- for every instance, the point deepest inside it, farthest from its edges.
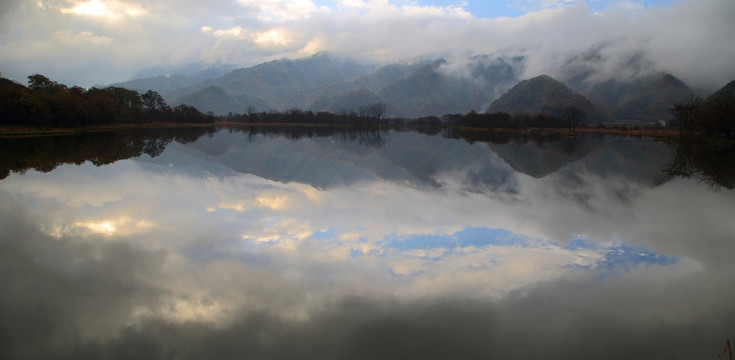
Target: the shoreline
(19, 132)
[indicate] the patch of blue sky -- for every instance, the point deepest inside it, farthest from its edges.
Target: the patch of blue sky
(480, 8)
(621, 256)
(329, 237)
(324, 235)
(514, 8)
(471, 236)
(615, 256)
(481, 236)
(418, 242)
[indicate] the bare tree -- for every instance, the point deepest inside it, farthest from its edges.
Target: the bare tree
(372, 111)
(685, 113)
(574, 115)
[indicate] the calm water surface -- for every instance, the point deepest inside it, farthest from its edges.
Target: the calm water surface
(403, 245)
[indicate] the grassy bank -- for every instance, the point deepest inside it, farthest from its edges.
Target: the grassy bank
(18, 131)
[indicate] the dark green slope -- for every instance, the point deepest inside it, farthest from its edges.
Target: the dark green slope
(219, 102)
(644, 99)
(319, 99)
(276, 79)
(727, 90)
(346, 102)
(544, 94)
(428, 91)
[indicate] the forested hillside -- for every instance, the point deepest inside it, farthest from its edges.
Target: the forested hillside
(46, 103)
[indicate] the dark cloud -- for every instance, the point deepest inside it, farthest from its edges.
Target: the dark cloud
(6, 7)
(75, 298)
(56, 291)
(526, 327)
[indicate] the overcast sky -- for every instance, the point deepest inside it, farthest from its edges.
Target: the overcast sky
(89, 42)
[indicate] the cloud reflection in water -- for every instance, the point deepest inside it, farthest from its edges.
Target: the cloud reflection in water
(238, 265)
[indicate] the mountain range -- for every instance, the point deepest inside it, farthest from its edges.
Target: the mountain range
(167, 79)
(421, 87)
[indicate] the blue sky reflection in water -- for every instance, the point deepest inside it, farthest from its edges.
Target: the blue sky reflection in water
(265, 247)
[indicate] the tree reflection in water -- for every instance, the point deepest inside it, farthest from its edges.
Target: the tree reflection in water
(45, 153)
(711, 163)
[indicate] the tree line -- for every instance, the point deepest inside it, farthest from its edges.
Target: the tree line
(369, 115)
(713, 117)
(521, 120)
(46, 103)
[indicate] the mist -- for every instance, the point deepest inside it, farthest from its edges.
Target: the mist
(74, 44)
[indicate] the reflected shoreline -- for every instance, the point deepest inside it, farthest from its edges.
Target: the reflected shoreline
(710, 162)
(654, 133)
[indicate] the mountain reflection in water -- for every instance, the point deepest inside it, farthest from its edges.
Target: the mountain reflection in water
(346, 244)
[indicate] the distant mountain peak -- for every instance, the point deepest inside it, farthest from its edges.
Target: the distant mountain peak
(539, 84)
(429, 86)
(645, 98)
(194, 70)
(540, 94)
(727, 90)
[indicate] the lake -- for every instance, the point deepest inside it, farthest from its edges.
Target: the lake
(318, 244)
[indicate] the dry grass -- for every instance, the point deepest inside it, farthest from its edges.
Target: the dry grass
(20, 131)
(14, 131)
(727, 351)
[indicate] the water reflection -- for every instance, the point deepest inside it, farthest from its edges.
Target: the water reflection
(257, 245)
(45, 153)
(711, 163)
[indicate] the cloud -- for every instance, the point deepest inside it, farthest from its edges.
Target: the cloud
(88, 288)
(153, 263)
(111, 10)
(536, 5)
(82, 298)
(692, 39)
(279, 11)
(8, 7)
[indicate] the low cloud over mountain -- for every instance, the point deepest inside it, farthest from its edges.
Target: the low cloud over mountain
(102, 41)
(493, 83)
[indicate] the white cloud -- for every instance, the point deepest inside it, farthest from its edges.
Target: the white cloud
(279, 10)
(243, 216)
(536, 5)
(691, 38)
(111, 10)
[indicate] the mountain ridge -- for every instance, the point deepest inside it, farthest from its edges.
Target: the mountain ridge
(423, 88)
(544, 94)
